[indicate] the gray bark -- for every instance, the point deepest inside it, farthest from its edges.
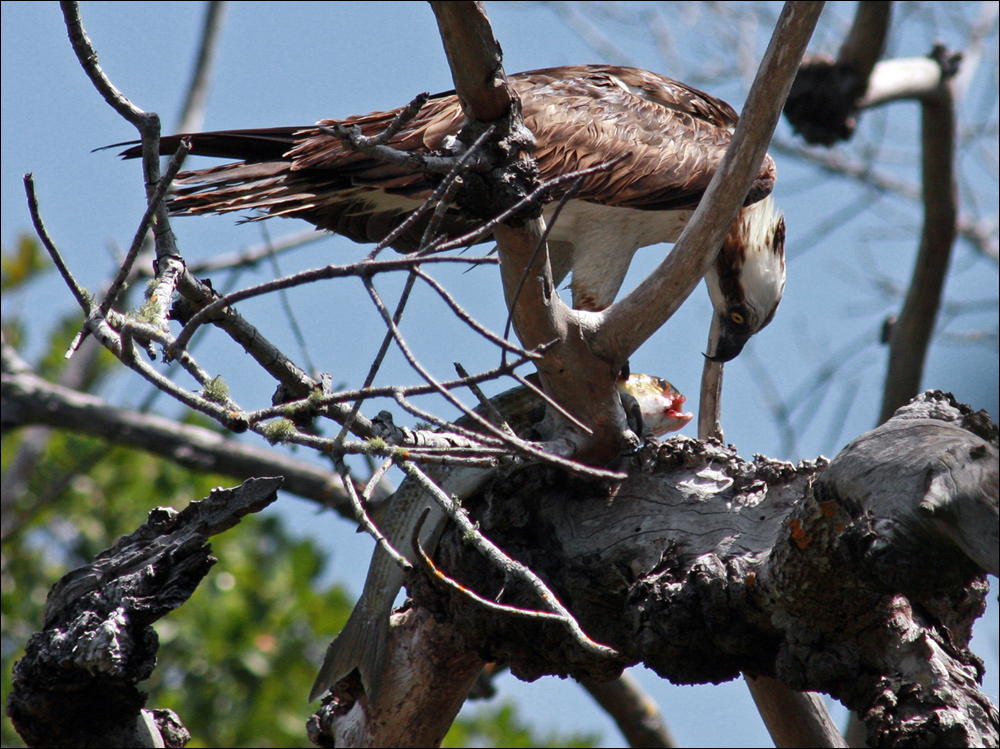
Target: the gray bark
(860, 578)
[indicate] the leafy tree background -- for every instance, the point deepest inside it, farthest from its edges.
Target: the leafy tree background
(252, 635)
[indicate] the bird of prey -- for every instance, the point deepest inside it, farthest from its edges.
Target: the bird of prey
(670, 138)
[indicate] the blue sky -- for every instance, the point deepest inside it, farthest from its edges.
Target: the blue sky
(293, 63)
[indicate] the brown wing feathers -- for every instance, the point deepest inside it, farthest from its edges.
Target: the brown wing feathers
(672, 137)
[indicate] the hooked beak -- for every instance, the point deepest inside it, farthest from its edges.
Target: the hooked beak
(730, 344)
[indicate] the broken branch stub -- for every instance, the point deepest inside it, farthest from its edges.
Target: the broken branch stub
(77, 683)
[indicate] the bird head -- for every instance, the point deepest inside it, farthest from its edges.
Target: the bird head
(748, 277)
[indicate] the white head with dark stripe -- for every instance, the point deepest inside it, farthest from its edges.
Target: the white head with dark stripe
(748, 277)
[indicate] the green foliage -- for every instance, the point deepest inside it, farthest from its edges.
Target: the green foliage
(24, 262)
(499, 725)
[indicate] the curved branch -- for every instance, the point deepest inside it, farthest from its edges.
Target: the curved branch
(912, 331)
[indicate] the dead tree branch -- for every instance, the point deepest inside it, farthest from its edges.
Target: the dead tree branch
(912, 331)
(76, 685)
(701, 566)
(634, 712)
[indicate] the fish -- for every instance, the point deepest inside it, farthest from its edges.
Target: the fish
(361, 644)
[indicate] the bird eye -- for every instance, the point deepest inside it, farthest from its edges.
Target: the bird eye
(737, 318)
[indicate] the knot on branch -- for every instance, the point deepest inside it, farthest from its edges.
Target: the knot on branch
(512, 176)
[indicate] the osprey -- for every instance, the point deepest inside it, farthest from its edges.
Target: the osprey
(669, 137)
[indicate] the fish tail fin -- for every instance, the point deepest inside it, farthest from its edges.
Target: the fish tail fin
(360, 645)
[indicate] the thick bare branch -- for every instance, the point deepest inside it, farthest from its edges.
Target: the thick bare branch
(912, 331)
(797, 573)
(417, 703)
(865, 41)
(475, 59)
(582, 385)
(793, 718)
(635, 713)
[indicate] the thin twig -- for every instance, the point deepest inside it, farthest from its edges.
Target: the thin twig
(469, 320)
(82, 297)
(139, 238)
(376, 478)
(542, 193)
(485, 424)
(379, 357)
(412, 217)
(361, 143)
(122, 343)
(365, 521)
(351, 135)
(549, 400)
(439, 200)
(435, 571)
(363, 268)
(286, 306)
(484, 402)
(386, 391)
(292, 378)
(197, 448)
(87, 56)
(445, 425)
(451, 184)
(252, 255)
(420, 369)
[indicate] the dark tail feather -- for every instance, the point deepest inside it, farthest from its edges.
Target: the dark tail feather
(266, 144)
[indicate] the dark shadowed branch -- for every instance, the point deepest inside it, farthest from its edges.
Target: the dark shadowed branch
(76, 685)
